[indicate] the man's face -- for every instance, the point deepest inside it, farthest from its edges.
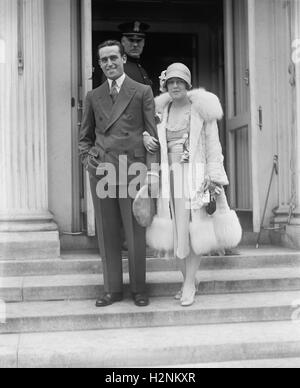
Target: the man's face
(111, 62)
(134, 47)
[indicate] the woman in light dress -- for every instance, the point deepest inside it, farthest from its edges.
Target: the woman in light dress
(193, 217)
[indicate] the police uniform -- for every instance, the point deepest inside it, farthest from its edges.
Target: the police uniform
(133, 67)
(135, 71)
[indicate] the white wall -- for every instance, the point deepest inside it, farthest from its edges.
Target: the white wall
(58, 62)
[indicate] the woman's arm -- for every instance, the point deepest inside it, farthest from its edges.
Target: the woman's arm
(215, 170)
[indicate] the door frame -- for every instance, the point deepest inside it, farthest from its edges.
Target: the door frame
(85, 87)
(75, 104)
(87, 27)
(251, 116)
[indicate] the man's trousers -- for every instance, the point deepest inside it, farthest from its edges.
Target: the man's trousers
(110, 213)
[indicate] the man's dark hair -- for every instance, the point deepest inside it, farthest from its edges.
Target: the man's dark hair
(110, 43)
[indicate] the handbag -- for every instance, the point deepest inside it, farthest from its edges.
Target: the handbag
(212, 206)
(144, 207)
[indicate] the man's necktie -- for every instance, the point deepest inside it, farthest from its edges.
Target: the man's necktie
(114, 91)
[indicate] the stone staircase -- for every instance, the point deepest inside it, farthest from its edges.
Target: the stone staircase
(245, 314)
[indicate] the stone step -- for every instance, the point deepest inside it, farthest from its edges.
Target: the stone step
(249, 238)
(209, 309)
(159, 284)
(78, 287)
(281, 363)
(152, 347)
(89, 262)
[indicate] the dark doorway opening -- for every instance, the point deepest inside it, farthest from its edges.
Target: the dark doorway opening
(188, 31)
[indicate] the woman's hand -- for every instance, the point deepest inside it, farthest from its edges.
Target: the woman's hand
(185, 157)
(212, 187)
(151, 144)
(218, 190)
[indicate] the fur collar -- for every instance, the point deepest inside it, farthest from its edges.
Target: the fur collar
(206, 104)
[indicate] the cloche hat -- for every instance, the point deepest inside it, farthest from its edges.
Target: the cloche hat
(176, 70)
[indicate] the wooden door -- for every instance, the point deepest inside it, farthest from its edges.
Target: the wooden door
(240, 105)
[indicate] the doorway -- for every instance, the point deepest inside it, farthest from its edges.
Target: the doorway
(200, 33)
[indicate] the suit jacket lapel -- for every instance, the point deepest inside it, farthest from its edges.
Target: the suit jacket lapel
(126, 94)
(105, 101)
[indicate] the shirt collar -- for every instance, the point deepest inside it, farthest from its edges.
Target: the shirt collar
(119, 81)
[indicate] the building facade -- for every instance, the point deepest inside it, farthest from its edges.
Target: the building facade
(245, 51)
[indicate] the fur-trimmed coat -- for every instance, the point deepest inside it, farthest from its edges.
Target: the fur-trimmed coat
(207, 233)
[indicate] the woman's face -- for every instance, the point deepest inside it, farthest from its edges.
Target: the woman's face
(177, 88)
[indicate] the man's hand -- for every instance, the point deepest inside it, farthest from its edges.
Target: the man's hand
(151, 144)
(153, 184)
(85, 161)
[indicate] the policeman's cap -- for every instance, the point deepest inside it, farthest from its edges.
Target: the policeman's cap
(136, 29)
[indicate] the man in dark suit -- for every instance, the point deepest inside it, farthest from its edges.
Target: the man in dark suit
(116, 115)
(133, 41)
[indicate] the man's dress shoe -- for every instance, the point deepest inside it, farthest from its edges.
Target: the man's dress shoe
(109, 299)
(141, 300)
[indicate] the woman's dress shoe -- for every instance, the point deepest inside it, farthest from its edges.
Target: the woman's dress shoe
(189, 300)
(178, 296)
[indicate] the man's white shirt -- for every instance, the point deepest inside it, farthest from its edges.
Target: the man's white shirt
(119, 82)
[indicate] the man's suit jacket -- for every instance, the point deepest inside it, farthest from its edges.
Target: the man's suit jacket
(109, 130)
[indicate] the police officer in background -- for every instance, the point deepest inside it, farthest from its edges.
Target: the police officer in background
(133, 40)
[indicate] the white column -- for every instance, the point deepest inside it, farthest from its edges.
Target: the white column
(297, 100)
(293, 231)
(26, 226)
